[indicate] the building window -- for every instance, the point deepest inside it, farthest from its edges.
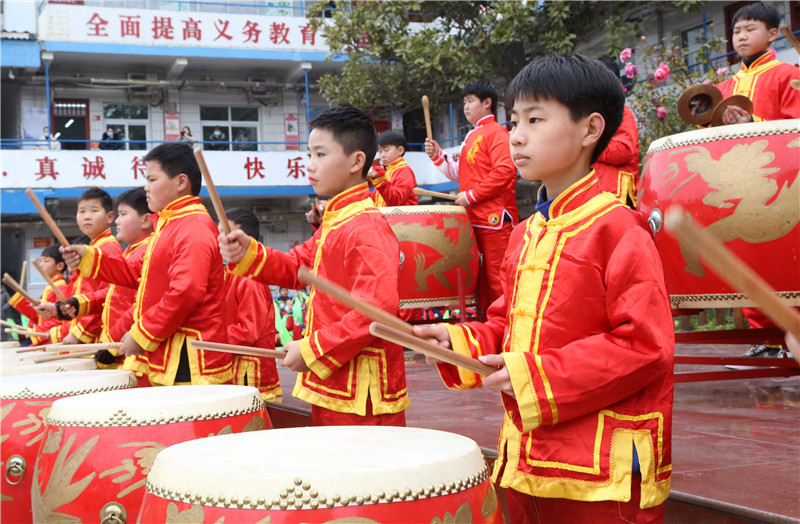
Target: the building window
(229, 128)
(692, 41)
(130, 124)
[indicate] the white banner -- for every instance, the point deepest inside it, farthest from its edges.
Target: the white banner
(107, 25)
(41, 169)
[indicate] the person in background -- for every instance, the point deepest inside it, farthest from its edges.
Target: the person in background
(186, 136)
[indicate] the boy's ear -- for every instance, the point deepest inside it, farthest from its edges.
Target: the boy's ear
(183, 182)
(773, 35)
(595, 125)
(359, 158)
(61, 266)
(402, 150)
(110, 217)
(146, 221)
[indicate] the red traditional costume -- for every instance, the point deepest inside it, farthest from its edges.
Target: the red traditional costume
(585, 330)
(179, 297)
(395, 187)
(767, 82)
(486, 173)
(618, 165)
(355, 248)
(37, 323)
(251, 322)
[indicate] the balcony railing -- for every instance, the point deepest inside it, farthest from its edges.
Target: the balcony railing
(267, 8)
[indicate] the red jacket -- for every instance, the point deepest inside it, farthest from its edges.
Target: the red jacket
(180, 296)
(396, 186)
(586, 333)
(36, 322)
(485, 171)
(767, 82)
(355, 248)
(618, 166)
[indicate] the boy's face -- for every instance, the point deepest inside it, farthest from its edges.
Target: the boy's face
(50, 266)
(750, 37)
(160, 188)
(475, 108)
(330, 170)
(283, 292)
(546, 143)
(390, 153)
(92, 217)
(130, 224)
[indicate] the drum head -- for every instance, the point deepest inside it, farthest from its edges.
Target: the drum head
(696, 104)
(27, 367)
(46, 385)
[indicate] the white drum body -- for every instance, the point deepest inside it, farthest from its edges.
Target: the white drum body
(320, 474)
(12, 367)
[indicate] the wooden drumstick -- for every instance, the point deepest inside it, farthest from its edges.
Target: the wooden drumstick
(23, 272)
(49, 281)
(237, 350)
(11, 324)
(31, 349)
(428, 192)
(59, 348)
(427, 110)
(731, 269)
(26, 332)
(40, 360)
(787, 32)
(212, 191)
(10, 282)
(370, 311)
(47, 218)
(430, 349)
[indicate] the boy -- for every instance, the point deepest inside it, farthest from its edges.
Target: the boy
(394, 185)
(251, 319)
(348, 376)
(582, 336)
(52, 263)
(487, 182)
(762, 78)
(182, 288)
(134, 227)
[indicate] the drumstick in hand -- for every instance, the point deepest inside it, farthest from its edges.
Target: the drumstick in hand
(10, 282)
(428, 192)
(212, 191)
(47, 218)
(237, 350)
(731, 269)
(49, 281)
(427, 110)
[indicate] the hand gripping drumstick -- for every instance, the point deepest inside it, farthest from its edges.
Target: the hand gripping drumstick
(427, 110)
(421, 191)
(47, 218)
(237, 350)
(10, 282)
(49, 281)
(732, 270)
(212, 191)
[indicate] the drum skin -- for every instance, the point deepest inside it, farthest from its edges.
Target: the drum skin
(740, 184)
(88, 462)
(358, 474)
(436, 244)
(24, 403)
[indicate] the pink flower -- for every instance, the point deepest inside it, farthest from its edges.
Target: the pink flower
(721, 71)
(626, 54)
(661, 112)
(707, 81)
(631, 70)
(662, 73)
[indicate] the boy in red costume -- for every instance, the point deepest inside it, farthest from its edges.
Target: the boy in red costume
(52, 263)
(346, 374)
(762, 78)
(181, 285)
(487, 182)
(583, 335)
(395, 182)
(251, 319)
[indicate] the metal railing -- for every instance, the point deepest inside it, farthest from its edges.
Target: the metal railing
(269, 8)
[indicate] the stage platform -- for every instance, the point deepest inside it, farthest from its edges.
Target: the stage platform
(736, 443)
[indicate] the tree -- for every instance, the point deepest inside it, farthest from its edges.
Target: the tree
(397, 51)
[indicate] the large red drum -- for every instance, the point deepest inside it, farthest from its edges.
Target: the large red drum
(364, 474)
(740, 183)
(24, 403)
(436, 245)
(99, 448)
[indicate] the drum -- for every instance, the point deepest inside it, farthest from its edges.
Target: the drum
(12, 367)
(99, 448)
(437, 245)
(365, 474)
(739, 183)
(24, 403)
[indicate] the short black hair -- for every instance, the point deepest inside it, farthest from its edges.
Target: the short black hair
(136, 199)
(53, 252)
(351, 129)
(95, 193)
(583, 85)
(482, 90)
(760, 11)
(176, 158)
(392, 138)
(82, 240)
(611, 63)
(247, 220)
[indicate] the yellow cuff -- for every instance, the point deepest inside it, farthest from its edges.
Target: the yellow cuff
(521, 381)
(146, 343)
(83, 305)
(319, 369)
(459, 343)
(15, 299)
(243, 266)
(88, 265)
(84, 336)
